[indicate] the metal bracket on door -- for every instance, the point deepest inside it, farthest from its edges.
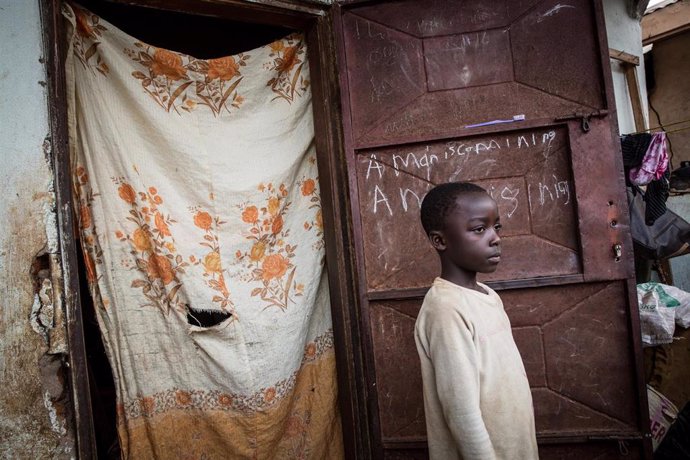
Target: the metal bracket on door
(584, 118)
(585, 124)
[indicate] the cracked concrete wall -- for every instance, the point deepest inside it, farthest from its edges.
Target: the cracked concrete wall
(35, 412)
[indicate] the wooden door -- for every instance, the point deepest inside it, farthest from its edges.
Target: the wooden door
(420, 79)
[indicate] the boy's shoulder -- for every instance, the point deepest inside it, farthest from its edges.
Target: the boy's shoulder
(445, 299)
(446, 311)
(440, 295)
(445, 292)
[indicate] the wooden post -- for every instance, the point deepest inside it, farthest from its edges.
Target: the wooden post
(630, 63)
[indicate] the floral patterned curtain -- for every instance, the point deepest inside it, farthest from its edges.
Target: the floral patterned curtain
(198, 193)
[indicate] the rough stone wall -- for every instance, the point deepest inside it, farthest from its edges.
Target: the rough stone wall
(35, 411)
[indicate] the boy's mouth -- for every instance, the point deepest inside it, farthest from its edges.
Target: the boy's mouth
(496, 258)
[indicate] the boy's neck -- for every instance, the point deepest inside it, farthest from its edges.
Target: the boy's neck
(463, 278)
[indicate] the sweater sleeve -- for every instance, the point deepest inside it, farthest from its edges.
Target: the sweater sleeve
(456, 367)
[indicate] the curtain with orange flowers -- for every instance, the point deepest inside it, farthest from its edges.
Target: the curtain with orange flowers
(197, 189)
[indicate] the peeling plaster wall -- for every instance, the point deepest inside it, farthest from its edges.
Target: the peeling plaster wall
(625, 34)
(35, 413)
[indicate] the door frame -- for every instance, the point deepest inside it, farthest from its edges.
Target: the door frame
(316, 20)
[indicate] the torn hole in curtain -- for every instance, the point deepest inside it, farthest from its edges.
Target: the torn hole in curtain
(206, 318)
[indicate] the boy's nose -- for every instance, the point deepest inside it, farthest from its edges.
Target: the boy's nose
(496, 240)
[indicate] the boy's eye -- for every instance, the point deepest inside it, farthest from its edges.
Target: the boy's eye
(498, 227)
(478, 229)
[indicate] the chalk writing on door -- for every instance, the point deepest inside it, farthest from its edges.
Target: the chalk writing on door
(395, 182)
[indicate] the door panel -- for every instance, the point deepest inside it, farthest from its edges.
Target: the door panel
(576, 355)
(602, 204)
(515, 96)
(412, 78)
(600, 450)
(526, 171)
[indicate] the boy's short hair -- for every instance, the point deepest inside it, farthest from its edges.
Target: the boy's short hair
(440, 201)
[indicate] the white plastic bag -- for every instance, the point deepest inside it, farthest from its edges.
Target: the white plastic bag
(661, 308)
(662, 413)
(683, 307)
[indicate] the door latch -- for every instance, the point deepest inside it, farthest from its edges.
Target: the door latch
(584, 118)
(617, 251)
(585, 124)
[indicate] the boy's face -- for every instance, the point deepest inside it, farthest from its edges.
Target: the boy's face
(470, 238)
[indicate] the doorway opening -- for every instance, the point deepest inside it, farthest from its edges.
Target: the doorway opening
(200, 36)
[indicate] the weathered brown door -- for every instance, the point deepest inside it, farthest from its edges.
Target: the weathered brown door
(417, 77)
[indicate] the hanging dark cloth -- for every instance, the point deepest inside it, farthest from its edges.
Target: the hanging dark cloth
(655, 198)
(634, 148)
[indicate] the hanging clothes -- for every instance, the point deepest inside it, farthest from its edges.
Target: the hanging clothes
(197, 188)
(633, 148)
(655, 198)
(645, 160)
(654, 163)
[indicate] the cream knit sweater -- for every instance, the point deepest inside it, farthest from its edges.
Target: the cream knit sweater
(477, 399)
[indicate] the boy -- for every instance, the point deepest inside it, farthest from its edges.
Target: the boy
(477, 399)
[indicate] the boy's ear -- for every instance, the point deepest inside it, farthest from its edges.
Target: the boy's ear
(438, 240)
